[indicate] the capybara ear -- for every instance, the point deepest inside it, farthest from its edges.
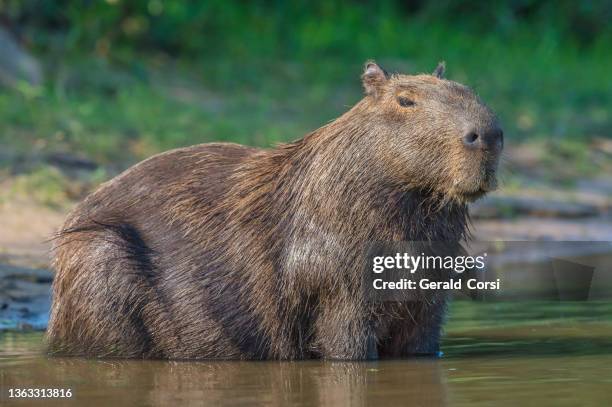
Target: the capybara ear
(373, 78)
(440, 69)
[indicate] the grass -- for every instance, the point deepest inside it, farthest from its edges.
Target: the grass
(119, 108)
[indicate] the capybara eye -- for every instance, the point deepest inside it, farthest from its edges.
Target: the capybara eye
(405, 102)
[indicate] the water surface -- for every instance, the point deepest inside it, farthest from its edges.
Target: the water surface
(505, 353)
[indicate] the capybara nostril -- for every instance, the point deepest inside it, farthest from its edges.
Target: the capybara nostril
(488, 139)
(472, 139)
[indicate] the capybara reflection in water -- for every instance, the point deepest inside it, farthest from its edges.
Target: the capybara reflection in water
(226, 251)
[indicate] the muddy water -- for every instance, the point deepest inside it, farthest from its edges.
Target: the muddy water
(504, 353)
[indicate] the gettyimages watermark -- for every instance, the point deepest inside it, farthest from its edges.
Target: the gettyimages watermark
(497, 270)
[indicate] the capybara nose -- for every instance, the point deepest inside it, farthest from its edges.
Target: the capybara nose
(491, 138)
(472, 140)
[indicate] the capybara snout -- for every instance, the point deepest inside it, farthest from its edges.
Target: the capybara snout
(489, 138)
(232, 252)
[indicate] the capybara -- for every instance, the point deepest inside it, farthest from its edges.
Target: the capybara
(232, 252)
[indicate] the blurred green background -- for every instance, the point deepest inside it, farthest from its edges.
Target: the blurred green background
(115, 81)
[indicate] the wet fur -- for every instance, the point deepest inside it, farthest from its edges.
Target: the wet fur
(225, 251)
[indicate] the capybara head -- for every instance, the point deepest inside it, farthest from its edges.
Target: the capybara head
(438, 135)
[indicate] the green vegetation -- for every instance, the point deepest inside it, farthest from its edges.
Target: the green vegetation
(127, 79)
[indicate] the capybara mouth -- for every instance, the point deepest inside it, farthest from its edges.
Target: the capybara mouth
(469, 190)
(488, 184)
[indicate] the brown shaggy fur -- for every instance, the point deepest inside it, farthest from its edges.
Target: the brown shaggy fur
(225, 251)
